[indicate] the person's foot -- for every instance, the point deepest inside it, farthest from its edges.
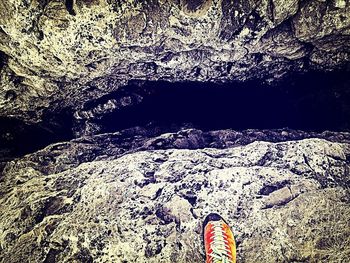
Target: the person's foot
(220, 246)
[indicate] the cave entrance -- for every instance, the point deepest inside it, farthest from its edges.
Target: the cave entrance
(312, 102)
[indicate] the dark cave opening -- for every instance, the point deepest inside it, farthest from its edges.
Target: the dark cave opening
(312, 102)
(18, 138)
(309, 102)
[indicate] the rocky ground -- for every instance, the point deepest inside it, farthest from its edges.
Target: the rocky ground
(88, 200)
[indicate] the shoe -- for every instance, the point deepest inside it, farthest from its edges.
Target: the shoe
(219, 243)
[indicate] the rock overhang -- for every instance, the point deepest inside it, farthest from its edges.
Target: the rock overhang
(61, 54)
(73, 68)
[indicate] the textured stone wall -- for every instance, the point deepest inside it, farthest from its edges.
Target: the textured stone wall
(56, 54)
(140, 194)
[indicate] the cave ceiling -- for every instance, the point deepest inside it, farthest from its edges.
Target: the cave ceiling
(61, 55)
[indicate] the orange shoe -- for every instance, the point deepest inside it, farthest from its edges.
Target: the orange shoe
(220, 246)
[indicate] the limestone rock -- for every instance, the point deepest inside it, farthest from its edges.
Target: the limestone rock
(58, 55)
(286, 202)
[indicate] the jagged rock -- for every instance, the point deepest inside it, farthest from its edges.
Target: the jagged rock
(61, 156)
(74, 68)
(286, 201)
(61, 54)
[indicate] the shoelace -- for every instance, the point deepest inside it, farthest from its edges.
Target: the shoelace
(220, 247)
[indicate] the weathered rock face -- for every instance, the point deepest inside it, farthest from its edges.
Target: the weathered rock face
(83, 72)
(286, 202)
(60, 54)
(60, 156)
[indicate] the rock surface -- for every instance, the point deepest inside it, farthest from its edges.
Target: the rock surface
(58, 54)
(286, 201)
(77, 68)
